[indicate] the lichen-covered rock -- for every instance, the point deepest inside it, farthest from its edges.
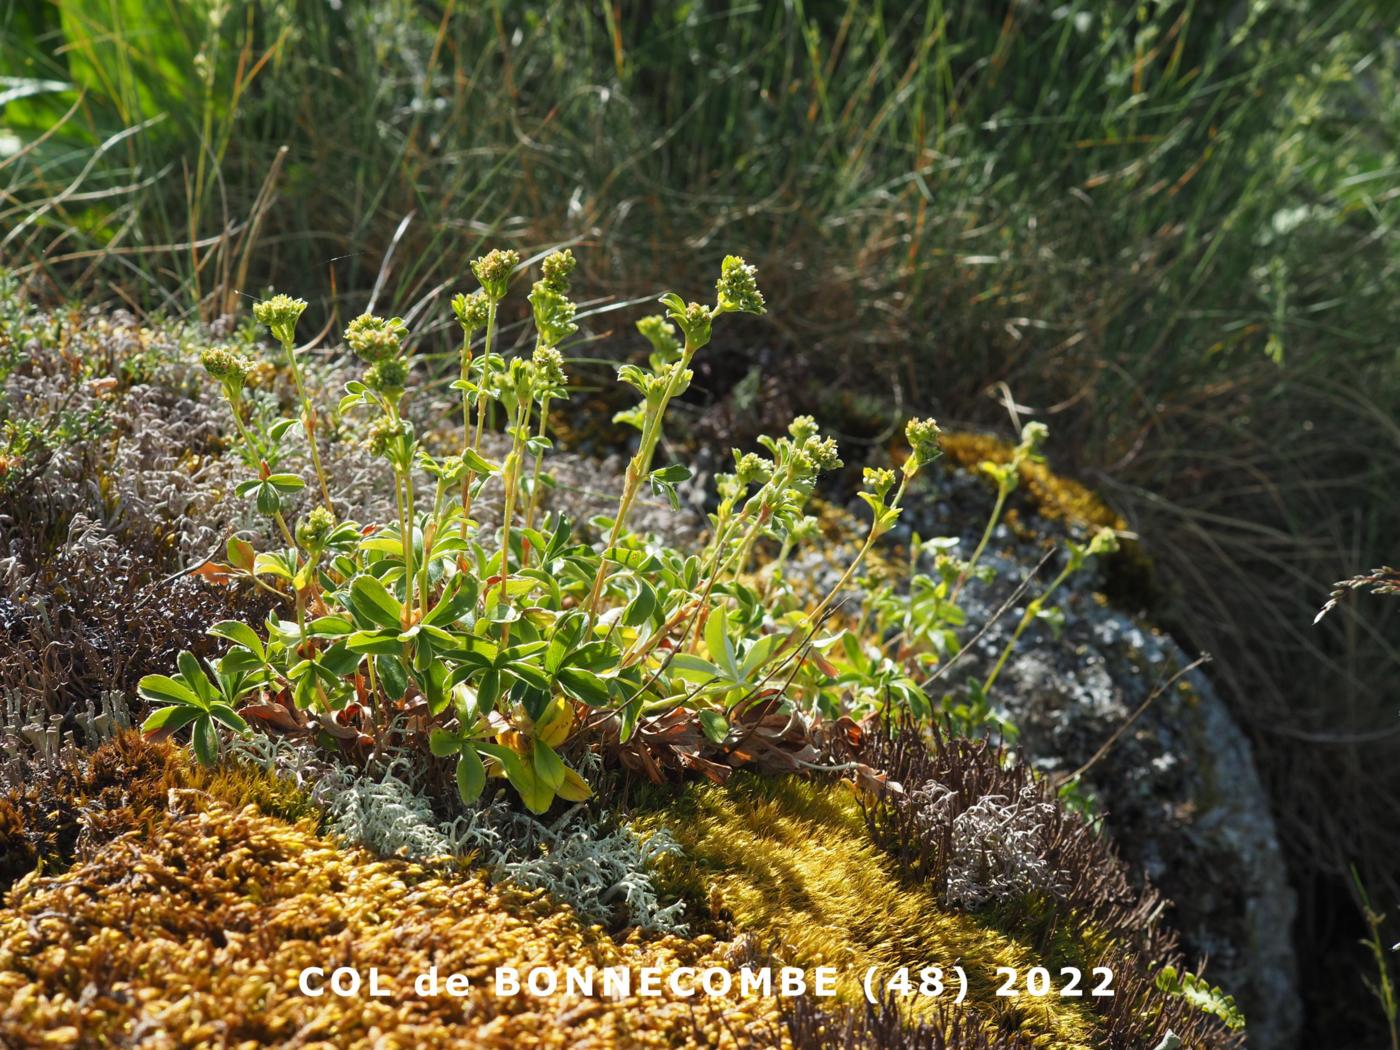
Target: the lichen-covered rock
(1177, 779)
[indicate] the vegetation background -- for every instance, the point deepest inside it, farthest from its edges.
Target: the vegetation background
(1166, 228)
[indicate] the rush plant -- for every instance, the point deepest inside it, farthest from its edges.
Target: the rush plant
(514, 651)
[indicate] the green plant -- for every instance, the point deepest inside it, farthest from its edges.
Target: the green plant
(1384, 986)
(1201, 994)
(513, 653)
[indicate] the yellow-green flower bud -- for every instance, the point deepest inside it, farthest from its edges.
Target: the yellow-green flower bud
(387, 376)
(553, 313)
(1033, 436)
(375, 338)
(313, 530)
(227, 366)
(280, 315)
(752, 468)
(472, 310)
(493, 270)
(1105, 541)
(557, 267)
(549, 365)
(878, 480)
(803, 429)
(383, 432)
(923, 435)
(824, 454)
(661, 335)
(737, 287)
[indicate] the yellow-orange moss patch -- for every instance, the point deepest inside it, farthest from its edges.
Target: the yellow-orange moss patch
(1055, 496)
(192, 929)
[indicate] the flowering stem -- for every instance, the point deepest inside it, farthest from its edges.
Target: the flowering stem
(1032, 610)
(1003, 490)
(638, 468)
(519, 427)
(875, 533)
(308, 422)
(466, 424)
(468, 481)
(539, 462)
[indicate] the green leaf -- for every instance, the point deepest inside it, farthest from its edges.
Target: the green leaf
(329, 627)
(471, 775)
(269, 502)
(240, 553)
(169, 719)
(459, 597)
(583, 685)
(163, 689)
(529, 674)
(239, 661)
(488, 691)
(549, 767)
(372, 600)
(195, 677)
(714, 725)
(718, 644)
(270, 563)
(479, 464)
(286, 482)
(536, 795)
(392, 676)
(443, 743)
(240, 634)
(642, 607)
(672, 475)
(382, 643)
(206, 741)
(339, 660)
(229, 717)
(436, 681)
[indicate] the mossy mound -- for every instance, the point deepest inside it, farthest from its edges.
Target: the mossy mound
(790, 863)
(189, 924)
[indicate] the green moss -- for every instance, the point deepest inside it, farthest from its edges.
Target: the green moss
(789, 862)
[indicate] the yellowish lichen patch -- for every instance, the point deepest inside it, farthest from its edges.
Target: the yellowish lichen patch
(790, 860)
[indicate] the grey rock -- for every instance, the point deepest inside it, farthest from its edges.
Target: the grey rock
(1178, 786)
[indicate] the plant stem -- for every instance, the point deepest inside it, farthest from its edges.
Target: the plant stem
(539, 462)
(308, 422)
(638, 468)
(480, 412)
(408, 547)
(519, 426)
(870, 539)
(1032, 610)
(966, 574)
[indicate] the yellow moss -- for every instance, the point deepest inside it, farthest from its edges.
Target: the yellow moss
(193, 930)
(790, 859)
(1055, 496)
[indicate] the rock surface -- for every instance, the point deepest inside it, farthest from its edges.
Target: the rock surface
(1178, 784)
